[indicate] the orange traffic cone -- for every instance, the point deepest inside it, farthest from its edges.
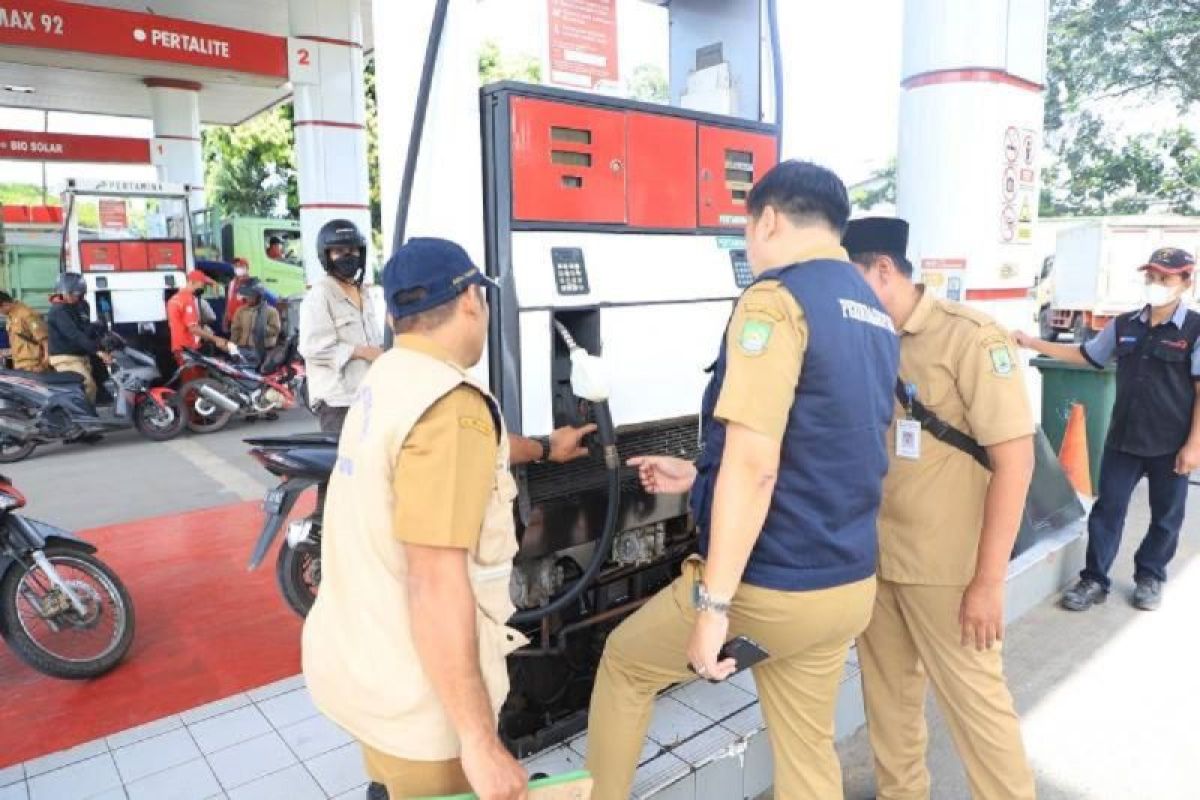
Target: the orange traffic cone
(1073, 455)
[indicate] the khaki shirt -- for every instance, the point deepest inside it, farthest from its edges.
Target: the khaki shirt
(242, 329)
(415, 411)
(967, 373)
(764, 354)
(444, 473)
(27, 335)
(330, 328)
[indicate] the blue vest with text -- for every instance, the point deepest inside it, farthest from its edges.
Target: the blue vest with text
(820, 529)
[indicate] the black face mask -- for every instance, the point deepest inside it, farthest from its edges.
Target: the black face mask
(348, 268)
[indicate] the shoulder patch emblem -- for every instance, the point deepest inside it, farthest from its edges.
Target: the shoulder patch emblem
(1002, 360)
(756, 333)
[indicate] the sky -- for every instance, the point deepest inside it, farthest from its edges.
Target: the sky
(841, 77)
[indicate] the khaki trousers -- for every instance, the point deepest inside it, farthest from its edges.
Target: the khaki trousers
(807, 634)
(407, 779)
(80, 365)
(915, 638)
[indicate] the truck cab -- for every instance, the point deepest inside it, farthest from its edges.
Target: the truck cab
(250, 238)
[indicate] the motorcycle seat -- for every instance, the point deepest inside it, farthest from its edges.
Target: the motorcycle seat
(48, 378)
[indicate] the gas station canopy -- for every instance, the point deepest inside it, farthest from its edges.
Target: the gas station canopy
(96, 56)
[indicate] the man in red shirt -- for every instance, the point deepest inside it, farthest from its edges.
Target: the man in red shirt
(183, 316)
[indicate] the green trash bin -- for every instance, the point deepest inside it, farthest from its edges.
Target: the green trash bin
(1063, 385)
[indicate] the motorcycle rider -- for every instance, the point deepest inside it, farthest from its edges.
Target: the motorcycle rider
(256, 325)
(72, 340)
(339, 333)
(26, 335)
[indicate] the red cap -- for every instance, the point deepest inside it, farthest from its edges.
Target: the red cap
(196, 276)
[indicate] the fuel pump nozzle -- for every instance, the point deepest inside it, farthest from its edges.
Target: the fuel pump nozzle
(589, 381)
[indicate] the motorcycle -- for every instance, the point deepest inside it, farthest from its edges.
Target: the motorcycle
(302, 460)
(238, 386)
(41, 407)
(63, 611)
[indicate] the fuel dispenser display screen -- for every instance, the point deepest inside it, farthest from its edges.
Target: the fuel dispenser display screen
(570, 274)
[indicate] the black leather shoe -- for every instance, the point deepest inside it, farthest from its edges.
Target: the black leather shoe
(377, 791)
(1148, 594)
(1084, 595)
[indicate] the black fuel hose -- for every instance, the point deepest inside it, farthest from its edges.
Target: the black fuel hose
(606, 434)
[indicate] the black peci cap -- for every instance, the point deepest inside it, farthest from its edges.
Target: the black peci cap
(876, 235)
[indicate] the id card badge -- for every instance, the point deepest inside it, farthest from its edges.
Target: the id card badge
(908, 439)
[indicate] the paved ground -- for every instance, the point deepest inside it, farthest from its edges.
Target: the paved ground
(1109, 698)
(127, 477)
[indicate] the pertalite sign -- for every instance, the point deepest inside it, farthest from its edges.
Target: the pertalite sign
(56, 25)
(37, 146)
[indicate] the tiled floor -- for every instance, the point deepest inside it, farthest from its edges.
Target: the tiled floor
(271, 742)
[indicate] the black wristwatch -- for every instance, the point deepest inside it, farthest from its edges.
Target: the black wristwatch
(544, 441)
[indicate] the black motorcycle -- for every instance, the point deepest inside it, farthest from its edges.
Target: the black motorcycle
(302, 460)
(41, 407)
(240, 386)
(62, 610)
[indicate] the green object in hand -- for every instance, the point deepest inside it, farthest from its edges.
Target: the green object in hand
(534, 786)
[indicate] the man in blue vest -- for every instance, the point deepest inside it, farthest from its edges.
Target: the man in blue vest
(785, 496)
(1155, 429)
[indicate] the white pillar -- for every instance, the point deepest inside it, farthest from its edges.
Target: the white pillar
(330, 119)
(447, 198)
(970, 134)
(175, 150)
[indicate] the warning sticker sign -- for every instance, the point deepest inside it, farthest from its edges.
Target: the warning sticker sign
(583, 42)
(1018, 186)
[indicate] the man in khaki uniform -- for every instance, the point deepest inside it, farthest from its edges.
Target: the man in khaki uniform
(946, 530)
(405, 646)
(785, 497)
(27, 335)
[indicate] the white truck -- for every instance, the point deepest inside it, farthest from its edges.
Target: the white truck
(1093, 275)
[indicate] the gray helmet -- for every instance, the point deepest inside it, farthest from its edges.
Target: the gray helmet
(71, 283)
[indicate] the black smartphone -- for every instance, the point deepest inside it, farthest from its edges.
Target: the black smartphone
(744, 651)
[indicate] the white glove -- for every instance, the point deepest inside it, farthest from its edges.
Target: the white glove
(233, 349)
(589, 376)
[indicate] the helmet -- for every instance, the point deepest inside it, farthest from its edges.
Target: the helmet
(251, 289)
(71, 283)
(342, 233)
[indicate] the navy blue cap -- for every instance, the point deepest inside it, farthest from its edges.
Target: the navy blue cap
(440, 267)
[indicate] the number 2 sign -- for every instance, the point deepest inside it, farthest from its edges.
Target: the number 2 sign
(303, 62)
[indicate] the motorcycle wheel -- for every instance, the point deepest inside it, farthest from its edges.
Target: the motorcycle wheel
(14, 450)
(159, 424)
(299, 574)
(195, 406)
(74, 651)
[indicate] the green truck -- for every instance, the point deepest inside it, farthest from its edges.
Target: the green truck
(30, 245)
(227, 238)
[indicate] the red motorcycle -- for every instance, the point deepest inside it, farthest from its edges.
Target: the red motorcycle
(236, 386)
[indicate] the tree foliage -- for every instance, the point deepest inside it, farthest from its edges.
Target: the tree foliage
(495, 66)
(1103, 51)
(250, 169)
(24, 194)
(648, 84)
(877, 189)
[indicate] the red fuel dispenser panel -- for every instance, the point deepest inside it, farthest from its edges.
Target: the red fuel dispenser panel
(662, 171)
(100, 256)
(730, 162)
(133, 256)
(165, 255)
(568, 162)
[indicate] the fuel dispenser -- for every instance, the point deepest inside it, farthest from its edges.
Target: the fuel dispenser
(614, 228)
